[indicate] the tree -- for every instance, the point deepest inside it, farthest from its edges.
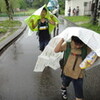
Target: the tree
(9, 9)
(95, 12)
(8, 6)
(61, 6)
(29, 3)
(22, 4)
(94, 8)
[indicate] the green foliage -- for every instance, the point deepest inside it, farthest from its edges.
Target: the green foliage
(3, 30)
(2, 6)
(62, 6)
(39, 3)
(22, 4)
(18, 4)
(14, 4)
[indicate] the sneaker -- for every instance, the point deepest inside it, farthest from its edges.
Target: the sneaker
(64, 93)
(64, 97)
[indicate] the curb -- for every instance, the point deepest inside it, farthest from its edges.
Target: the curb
(12, 37)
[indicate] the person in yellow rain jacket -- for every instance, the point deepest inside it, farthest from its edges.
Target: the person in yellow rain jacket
(43, 28)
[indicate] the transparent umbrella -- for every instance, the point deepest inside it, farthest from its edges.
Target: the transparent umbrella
(49, 58)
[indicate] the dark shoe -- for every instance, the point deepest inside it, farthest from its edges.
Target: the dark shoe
(64, 97)
(41, 49)
(64, 93)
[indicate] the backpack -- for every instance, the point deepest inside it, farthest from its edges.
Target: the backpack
(63, 61)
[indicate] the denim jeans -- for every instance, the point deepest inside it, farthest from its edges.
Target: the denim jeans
(77, 83)
(43, 44)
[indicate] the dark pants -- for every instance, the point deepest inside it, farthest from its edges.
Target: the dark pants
(43, 44)
(77, 83)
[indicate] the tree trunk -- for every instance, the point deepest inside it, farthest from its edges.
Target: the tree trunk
(9, 11)
(95, 12)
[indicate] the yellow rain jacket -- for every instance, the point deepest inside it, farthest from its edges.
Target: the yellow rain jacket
(36, 16)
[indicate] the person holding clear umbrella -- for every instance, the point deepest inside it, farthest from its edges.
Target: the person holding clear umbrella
(53, 6)
(73, 38)
(71, 72)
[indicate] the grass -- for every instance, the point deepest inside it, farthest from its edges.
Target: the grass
(3, 30)
(8, 23)
(10, 33)
(84, 19)
(5, 26)
(92, 27)
(8, 27)
(78, 18)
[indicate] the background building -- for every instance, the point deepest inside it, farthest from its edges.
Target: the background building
(84, 6)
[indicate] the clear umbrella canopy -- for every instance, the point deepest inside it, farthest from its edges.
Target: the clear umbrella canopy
(49, 58)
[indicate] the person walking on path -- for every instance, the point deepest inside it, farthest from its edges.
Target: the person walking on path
(69, 11)
(43, 28)
(77, 11)
(74, 12)
(71, 72)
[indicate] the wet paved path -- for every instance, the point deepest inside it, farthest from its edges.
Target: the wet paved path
(19, 82)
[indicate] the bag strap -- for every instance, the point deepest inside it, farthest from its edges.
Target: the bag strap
(67, 52)
(47, 21)
(39, 24)
(84, 52)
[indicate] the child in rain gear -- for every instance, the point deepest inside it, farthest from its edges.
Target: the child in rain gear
(43, 28)
(71, 70)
